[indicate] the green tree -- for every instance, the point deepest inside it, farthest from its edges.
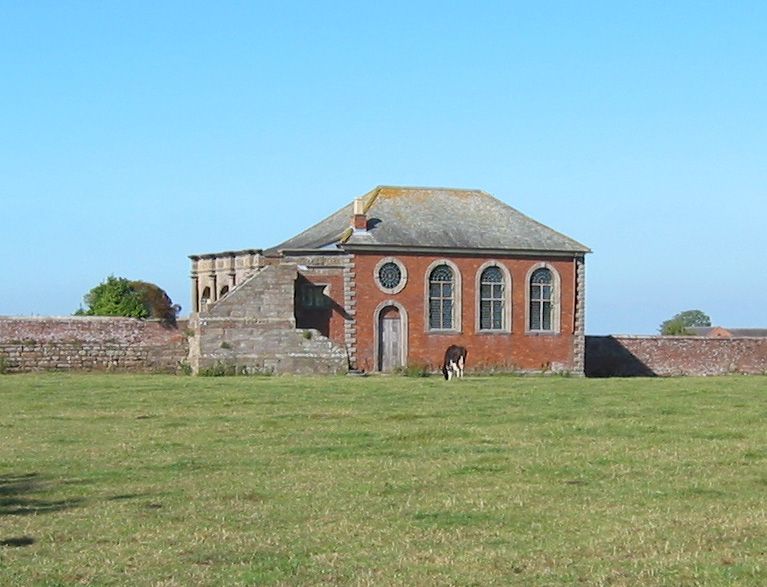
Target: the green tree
(678, 324)
(118, 296)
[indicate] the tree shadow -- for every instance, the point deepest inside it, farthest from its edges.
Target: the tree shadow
(20, 495)
(18, 541)
(17, 496)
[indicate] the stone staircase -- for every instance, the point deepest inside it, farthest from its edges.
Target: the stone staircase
(252, 329)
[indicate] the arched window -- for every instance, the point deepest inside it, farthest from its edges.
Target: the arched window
(441, 298)
(541, 297)
(491, 299)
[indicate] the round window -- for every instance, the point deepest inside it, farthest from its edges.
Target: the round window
(389, 275)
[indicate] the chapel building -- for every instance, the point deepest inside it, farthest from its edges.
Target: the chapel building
(390, 281)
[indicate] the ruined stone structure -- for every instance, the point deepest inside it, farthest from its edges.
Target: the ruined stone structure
(253, 329)
(214, 275)
(391, 280)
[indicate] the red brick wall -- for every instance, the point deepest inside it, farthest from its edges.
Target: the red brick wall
(517, 350)
(91, 344)
(330, 323)
(608, 356)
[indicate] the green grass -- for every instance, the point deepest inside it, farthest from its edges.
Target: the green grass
(161, 480)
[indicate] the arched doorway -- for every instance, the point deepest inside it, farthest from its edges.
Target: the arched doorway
(391, 338)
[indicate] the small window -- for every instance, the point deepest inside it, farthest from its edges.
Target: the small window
(390, 275)
(541, 296)
(313, 296)
(491, 298)
(441, 297)
(205, 297)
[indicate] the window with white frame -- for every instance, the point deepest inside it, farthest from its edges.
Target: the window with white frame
(491, 299)
(441, 298)
(390, 275)
(541, 299)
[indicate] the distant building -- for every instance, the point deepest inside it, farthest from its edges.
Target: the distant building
(721, 332)
(391, 280)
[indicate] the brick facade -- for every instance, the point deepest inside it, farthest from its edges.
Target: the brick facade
(517, 350)
(323, 284)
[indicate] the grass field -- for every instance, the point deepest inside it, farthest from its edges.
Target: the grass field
(161, 480)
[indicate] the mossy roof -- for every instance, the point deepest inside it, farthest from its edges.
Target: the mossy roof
(432, 218)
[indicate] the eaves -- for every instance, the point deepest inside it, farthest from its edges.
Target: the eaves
(378, 248)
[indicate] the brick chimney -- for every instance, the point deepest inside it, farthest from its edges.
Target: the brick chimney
(360, 222)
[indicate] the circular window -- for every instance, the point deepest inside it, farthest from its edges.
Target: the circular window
(390, 275)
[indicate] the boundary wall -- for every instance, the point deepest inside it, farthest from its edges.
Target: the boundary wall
(77, 343)
(80, 343)
(631, 356)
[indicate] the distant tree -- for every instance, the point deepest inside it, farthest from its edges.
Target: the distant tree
(679, 324)
(156, 301)
(114, 297)
(118, 296)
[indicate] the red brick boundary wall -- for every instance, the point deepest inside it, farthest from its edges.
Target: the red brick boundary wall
(630, 356)
(91, 344)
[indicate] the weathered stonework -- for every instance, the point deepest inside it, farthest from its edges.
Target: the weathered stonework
(214, 275)
(628, 356)
(91, 344)
(579, 334)
(253, 330)
(350, 303)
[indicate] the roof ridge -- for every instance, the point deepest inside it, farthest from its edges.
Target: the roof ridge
(422, 187)
(372, 199)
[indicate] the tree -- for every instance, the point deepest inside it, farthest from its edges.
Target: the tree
(118, 296)
(679, 324)
(156, 301)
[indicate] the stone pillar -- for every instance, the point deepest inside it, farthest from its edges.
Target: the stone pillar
(579, 336)
(195, 292)
(195, 286)
(350, 305)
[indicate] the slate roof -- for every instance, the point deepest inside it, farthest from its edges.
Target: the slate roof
(433, 218)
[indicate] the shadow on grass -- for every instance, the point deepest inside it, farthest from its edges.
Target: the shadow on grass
(17, 496)
(18, 541)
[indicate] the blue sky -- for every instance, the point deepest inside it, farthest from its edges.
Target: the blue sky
(133, 134)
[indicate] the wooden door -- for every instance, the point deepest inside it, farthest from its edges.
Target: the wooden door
(390, 340)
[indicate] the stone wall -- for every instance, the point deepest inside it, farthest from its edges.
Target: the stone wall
(215, 274)
(253, 330)
(628, 356)
(231, 334)
(91, 344)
